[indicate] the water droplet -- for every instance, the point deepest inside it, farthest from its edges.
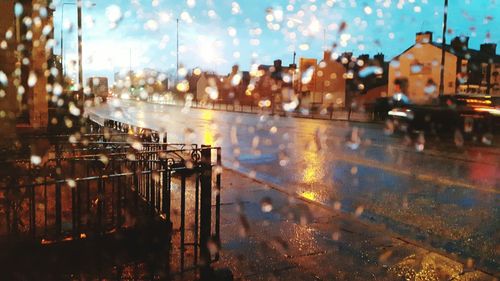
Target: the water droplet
(3, 78)
(114, 15)
(191, 3)
(212, 92)
(36, 160)
(235, 81)
(370, 70)
(74, 110)
(337, 205)
(18, 9)
(151, 25)
(104, 159)
(137, 145)
(307, 75)
(266, 205)
(359, 211)
(416, 68)
(336, 235)
(71, 183)
(354, 170)
(58, 89)
(487, 139)
(32, 79)
(459, 138)
(235, 8)
(46, 30)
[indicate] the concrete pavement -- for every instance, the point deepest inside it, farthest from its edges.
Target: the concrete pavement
(269, 235)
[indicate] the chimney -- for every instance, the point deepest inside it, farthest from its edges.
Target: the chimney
(277, 65)
(489, 49)
(327, 55)
(364, 57)
(460, 44)
(380, 58)
(423, 37)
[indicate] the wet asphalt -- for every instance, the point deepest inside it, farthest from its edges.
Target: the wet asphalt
(431, 191)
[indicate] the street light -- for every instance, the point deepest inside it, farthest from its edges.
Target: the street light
(443, 53)
(62, 39)
(80, 60)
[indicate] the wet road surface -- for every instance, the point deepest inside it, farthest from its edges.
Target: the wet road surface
(431, 191)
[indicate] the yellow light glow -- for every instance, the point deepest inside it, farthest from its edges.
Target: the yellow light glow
(208, 138)
(309, 195)
(183, 86)
(207, 115)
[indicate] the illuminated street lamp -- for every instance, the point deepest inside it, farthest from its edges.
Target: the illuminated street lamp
(63, 69)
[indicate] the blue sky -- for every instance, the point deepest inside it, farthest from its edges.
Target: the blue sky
(215, 34)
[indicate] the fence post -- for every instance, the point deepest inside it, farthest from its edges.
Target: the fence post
(165, 205)
(136, 184)
(58, 191)
(217, 197)
(205, 203)
(183, 210)
(196, 217)
(183, 217)
(32, 211)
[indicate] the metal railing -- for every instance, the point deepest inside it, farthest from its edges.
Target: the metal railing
(96, 188)
(315, 112)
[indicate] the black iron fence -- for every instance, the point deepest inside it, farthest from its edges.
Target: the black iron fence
(93, 188)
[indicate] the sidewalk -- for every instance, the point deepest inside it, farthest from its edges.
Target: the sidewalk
(267, 235)
(336, 115)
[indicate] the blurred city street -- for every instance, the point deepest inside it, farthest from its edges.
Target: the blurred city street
(425, 191)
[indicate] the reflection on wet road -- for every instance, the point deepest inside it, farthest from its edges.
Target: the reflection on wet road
(443, 196)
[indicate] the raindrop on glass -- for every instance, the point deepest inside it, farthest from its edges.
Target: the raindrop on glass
(266, 205)
(32, 79)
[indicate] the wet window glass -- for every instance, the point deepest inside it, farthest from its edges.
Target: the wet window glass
(261, 140)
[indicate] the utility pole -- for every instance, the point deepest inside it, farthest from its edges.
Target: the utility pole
(324, 39)
(63, 68)
(62, 45)
(177, 63)
(443, 46)
(80, 59)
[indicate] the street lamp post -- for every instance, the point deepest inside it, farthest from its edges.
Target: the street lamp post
(443, 46)
(63, 69)
(80, 56)
(80, 59)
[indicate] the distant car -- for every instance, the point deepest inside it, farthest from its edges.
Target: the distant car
(468, 114)
(382, 106)
(98, 88)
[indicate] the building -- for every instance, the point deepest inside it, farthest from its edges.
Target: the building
(98, 87)
(368, 81)
(25, 59)
(322, 84)
(207, 88)
(273, 83)
(416, 71)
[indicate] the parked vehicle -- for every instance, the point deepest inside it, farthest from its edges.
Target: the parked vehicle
(468, 114)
